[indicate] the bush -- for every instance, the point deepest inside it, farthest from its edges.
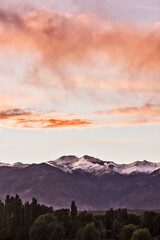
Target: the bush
(46, 227)
(127, 231)
(89, 232)
(141, 234)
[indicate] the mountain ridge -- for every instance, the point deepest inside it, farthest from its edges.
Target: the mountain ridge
(96, 166)
(51, 185)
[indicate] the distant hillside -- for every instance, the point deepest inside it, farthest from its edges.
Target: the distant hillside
(92, 183)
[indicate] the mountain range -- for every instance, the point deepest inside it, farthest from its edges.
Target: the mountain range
(93, 184)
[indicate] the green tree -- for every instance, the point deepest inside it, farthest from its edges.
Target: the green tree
(64, 217)
(141, 234)
(127, 231)
(84, 218)
(134, 219)
(150, 221)
(89, 232)
(73, 219)
(46, 227)
(73, 211)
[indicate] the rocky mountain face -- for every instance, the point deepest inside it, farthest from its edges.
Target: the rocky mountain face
(91, 182)
(98, 167)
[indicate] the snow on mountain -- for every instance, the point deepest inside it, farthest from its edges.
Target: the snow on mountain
(16, 165)
(95, 166)
(64, 163)
(4, 164)
(85, 163)
(98, 167)
(19, 165)
(140, 167)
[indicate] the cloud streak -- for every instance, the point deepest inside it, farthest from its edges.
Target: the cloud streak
(59, 40)
(150, 110)
(69, 47)
(148, 114)
(13, 113)
(20, 118)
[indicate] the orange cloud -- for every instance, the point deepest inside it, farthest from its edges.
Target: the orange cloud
(59, 40)
(13, 113)
(66, 45)
(19, 118)
(130, 116)
(138, 122)
(150, 110)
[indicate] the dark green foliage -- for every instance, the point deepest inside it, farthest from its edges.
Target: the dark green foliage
(74, 219)
(85, 218)
(127, 231)
(16, 218)
(89, 232)
(114, 221)
(31, 221)
(141, 234)
(150, 222)
(134, 219)
(63, 216)
(157, 238)
(157, 225)
(73, 211)
(46, 227)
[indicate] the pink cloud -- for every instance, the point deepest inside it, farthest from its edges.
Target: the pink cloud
(61, 39)
(150, 110)
(20, 118)
(63, 42)
(131, 116)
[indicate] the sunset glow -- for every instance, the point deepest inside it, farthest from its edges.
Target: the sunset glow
(79, 78)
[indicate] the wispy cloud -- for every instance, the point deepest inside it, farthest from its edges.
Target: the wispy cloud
(64, 45)
(137, 122)
(131, 115)
(13, 113)
(150, 110)
(148, 114)
(20, 118)
(59, 40)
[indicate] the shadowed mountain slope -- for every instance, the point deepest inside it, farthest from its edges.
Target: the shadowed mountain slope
(69, 178)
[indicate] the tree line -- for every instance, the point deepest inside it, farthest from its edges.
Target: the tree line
(33, 221)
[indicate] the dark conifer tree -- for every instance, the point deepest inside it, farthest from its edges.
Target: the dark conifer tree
(73, 211)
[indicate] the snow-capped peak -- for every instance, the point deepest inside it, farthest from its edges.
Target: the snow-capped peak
(98, 167)
(4, 164)
(16, 165)
(19, 165)
(93, 160)
(64, 163)
(95, 166)
(140, 167)
(85, 163)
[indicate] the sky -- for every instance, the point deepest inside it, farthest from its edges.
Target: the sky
(79, 77)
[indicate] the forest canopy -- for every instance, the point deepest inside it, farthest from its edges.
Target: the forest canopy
(34, 221)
